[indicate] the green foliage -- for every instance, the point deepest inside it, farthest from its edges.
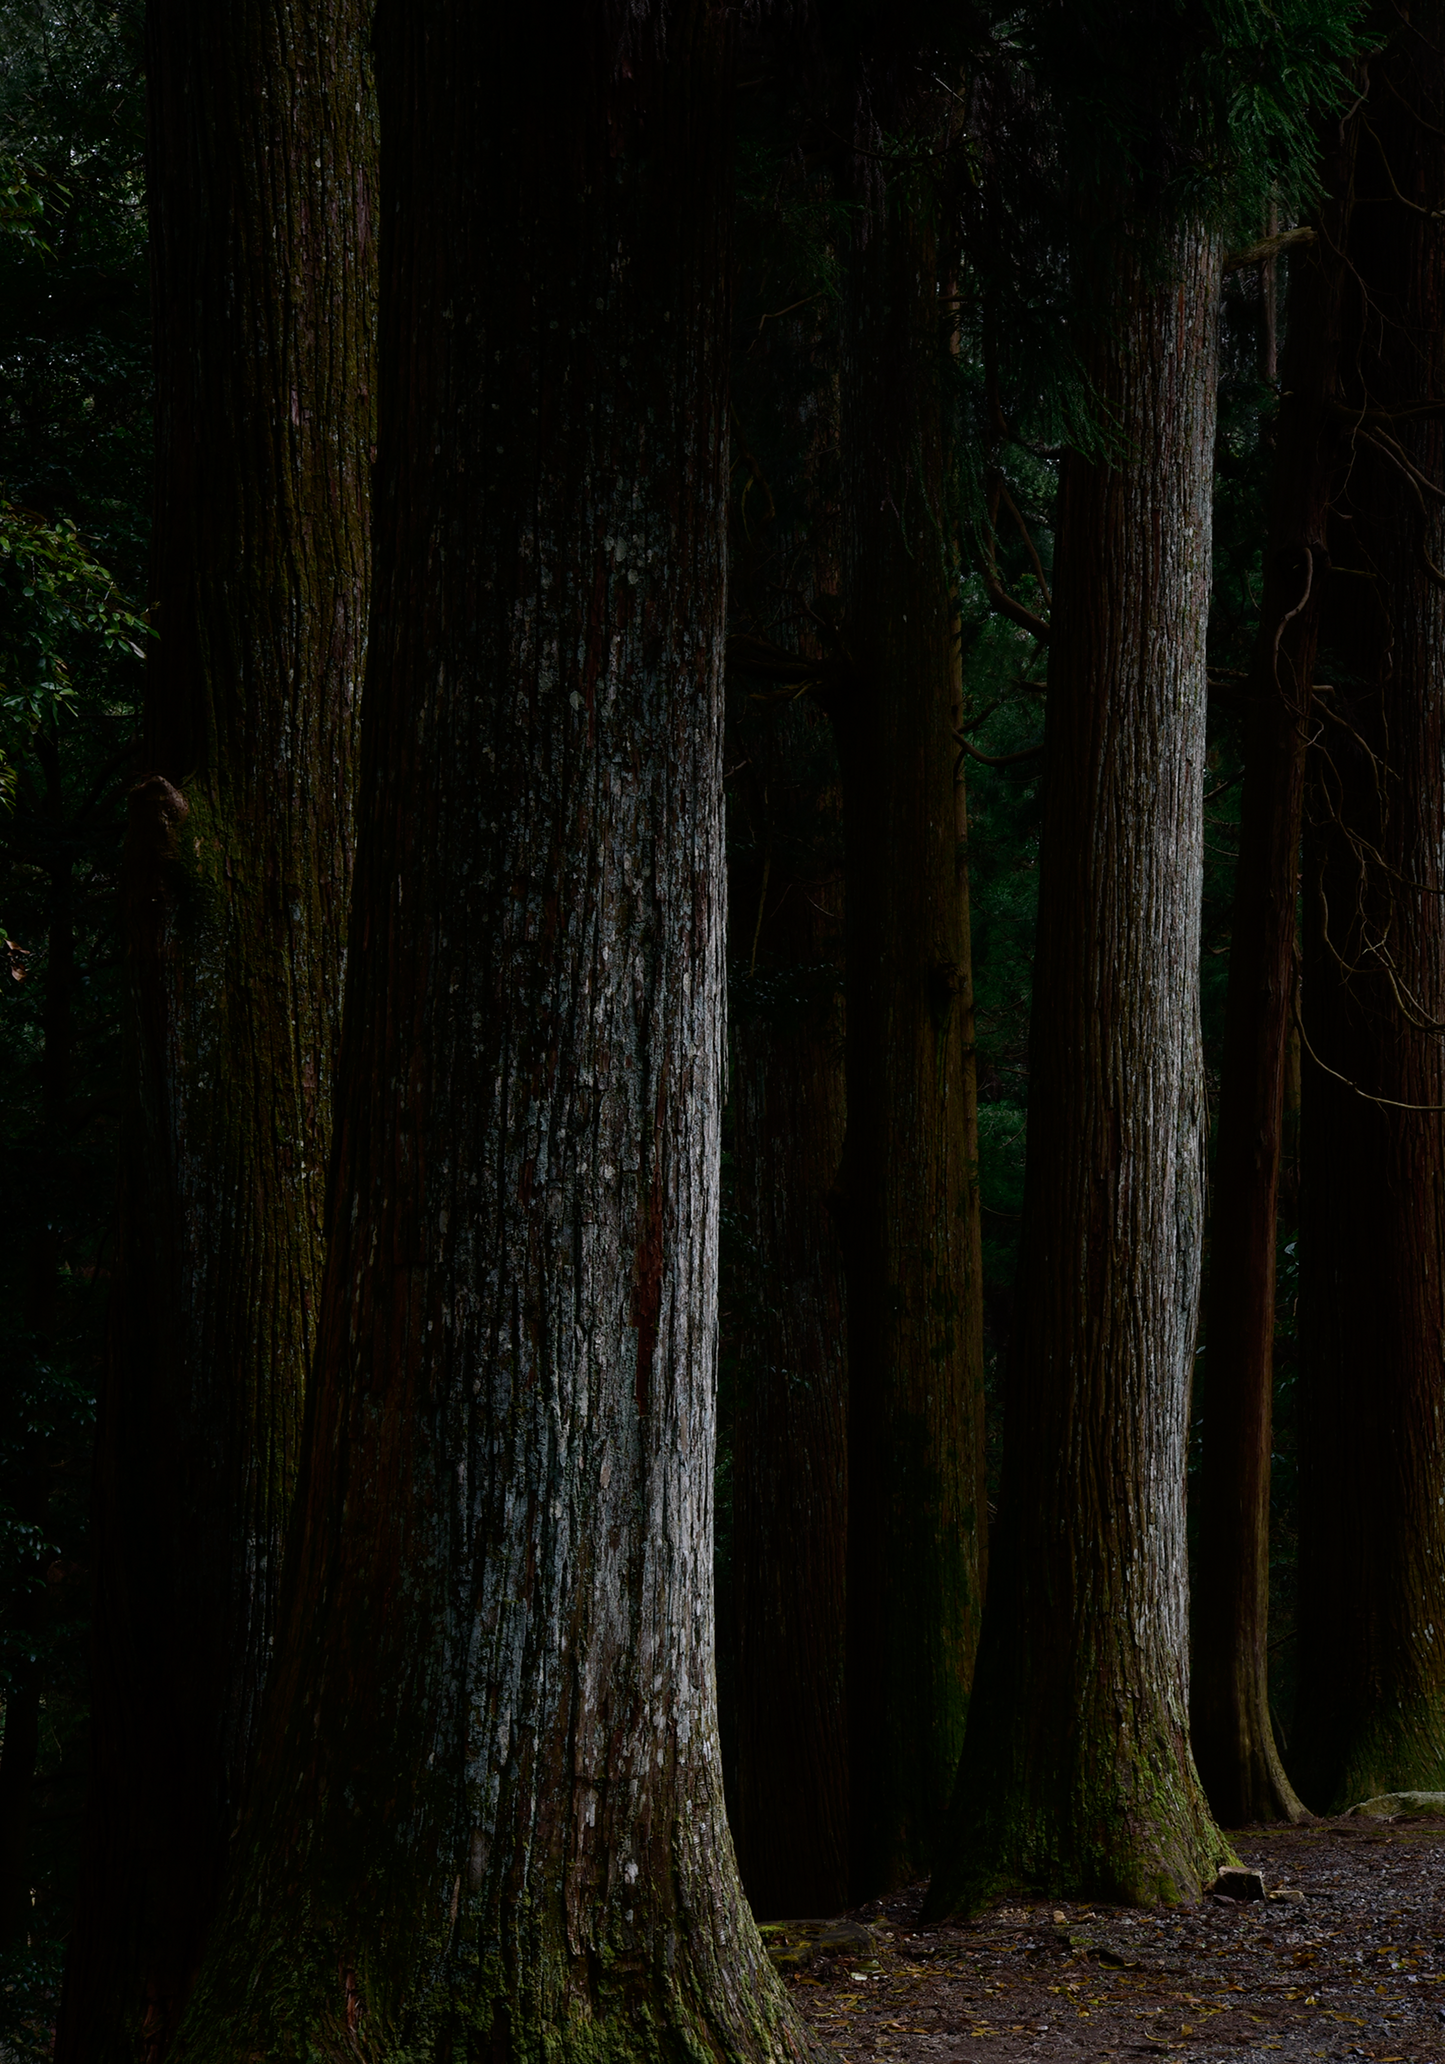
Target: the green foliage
(21, 205)
(1190, 108)
(1093, 131)
(54, 596)
(74, 453)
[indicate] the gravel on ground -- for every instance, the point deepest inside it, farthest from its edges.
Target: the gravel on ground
(1355, 1968)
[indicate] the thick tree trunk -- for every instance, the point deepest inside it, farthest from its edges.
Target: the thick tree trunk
(1233, 1734)
(908, 1193)
(1372, 1525)
(1076, 1773)
(262, 149)
(489, 1810)
(790, 1458)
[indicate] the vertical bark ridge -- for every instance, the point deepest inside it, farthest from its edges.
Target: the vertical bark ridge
(1372, 1527)
(1076, 1773)
(1233, 1732)
(489, 1811)
(261, 165)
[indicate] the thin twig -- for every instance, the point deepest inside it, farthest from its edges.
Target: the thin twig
(773, 313)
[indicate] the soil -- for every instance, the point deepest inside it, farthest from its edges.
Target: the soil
(1354, 1969)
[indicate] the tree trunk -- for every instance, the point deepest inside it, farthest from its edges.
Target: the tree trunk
(1372, 1527)
(790, 1459)
(1076, 1773)
(488, 1817)
(28, 1490)
(1233, 1734)
(908, 1193)
(261, 155)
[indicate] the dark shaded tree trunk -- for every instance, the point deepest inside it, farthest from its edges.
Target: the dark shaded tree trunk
(261, 165)
(790, 1458)
(1233, 1734)
(488, 1817)
(28, 1491)
(1076, 1773)
(1372, 1525)
(908, 1192)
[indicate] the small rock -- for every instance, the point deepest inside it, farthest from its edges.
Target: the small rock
(1288, 1895)
(1234, 1883)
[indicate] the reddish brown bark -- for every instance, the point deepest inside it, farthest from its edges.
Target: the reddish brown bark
(1372, 1525)
(908, 1192)
(1233, 1734)
(1076, 1772)
(488, 1814)
(236, 876)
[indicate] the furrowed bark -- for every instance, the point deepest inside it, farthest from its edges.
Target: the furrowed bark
(908, 1195)
(790, 1458)
(488, 1816)
(1076, 1773)
(1233, 1734)
(1372, 1527)
(261, 156)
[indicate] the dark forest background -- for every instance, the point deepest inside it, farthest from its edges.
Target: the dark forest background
(75, 442)
(75, 431)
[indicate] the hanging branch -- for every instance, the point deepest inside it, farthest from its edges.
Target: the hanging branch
(1008, 759)
(998, 595)
(1031, 547)
(1268, 247)
(1418, 483)
(1369, 1096)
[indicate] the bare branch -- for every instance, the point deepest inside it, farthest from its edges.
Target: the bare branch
(1008, 759)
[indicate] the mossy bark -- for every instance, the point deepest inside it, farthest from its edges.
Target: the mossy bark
(907, 1194)
(260, 174)
(488, 1816)
(1076, 1773)
(1372, 1308)
(1233, 1731)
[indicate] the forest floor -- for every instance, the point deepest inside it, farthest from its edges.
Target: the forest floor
(1356, 1969)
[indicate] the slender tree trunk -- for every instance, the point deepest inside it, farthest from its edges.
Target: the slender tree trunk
(1233, 1734)
(260, 175)
(1076, 1773)
(1372, 1526)
(971, 1203)
(908, 1199)
(790, 1458)
(488, 1816)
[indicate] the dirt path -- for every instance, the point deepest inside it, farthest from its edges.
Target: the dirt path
(1356, 1969)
